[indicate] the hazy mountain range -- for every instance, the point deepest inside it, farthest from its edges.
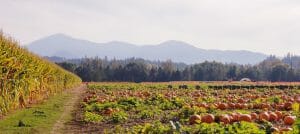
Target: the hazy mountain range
(65, 46)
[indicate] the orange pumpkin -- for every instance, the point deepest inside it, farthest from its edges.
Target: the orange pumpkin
(265, 106)
(279, 114)
(264, 116)
(289, 120)
(225, 119)
(280, 107)
(245, 117)
(288, 105)
(235, 117)
(240, 100)
(254, 116)
(222, 106)
(208, 118)
(231, 105)
(256, 106)
(238, 105)
(273, 116)
(108, 111)
(244, 106)
(194, 119)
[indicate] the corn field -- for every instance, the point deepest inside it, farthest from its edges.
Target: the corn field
(26, 78)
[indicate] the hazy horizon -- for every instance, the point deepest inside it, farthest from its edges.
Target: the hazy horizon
(265, 26)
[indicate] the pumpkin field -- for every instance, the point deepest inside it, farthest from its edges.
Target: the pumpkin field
(189, 107)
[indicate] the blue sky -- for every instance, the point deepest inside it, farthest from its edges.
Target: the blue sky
(268, 26)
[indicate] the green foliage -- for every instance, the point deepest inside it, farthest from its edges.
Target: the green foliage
(178, 102)
(236, 128)
(92, 117)
(275, 99)
(129, 103)
(98, 107)
(155, 128)
(186, 112)
(146, 114)
(119, 117)
(167, 105)
(167, 110)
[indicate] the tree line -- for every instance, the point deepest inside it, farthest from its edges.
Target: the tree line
(139, 70)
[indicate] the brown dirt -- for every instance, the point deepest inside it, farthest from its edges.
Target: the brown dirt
(69, 107)
(78, 126)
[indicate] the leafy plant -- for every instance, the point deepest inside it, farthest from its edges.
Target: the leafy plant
(119, 117)
(92, 117)
(146, 114)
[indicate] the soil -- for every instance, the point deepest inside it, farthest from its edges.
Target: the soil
(69, 107)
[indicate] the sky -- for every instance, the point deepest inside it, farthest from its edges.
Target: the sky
(267, 26)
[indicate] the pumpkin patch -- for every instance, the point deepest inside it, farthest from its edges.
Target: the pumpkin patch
(137, 106)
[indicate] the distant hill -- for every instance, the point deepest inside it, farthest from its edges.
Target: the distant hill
(65, 46)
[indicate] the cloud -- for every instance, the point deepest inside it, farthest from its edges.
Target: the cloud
(269, 26)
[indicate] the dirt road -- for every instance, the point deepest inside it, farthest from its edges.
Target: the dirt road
(69, 107)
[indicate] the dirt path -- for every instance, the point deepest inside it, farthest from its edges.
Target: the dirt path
(69, 106)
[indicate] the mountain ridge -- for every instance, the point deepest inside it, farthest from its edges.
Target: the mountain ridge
(66, 46)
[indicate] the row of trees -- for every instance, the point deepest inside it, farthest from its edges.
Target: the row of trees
(138, 70)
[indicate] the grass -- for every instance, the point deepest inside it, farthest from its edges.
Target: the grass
(37, 119)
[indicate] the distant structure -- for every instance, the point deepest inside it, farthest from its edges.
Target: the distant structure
(246, 80)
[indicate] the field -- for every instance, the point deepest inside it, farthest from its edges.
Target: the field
(30, 83)
(26, 78)
(189, 107)
(33, 90)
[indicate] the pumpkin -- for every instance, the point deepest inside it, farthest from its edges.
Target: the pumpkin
(280, 107)
(273, 116)
(231, 105)
(235, 117)
(222, 106)
(225, 119)
(279, 114)
(194, 119)
(208, 118)
(254, 116)
(288, 106)
(108, 111)
(265, 106)
(250, 106)
(244, 106)
(238, 105)
(245, 117)
(256, 106)
(240, 100)
(289, 120)
(264, 116)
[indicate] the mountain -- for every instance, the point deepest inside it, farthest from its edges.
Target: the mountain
(65, 46)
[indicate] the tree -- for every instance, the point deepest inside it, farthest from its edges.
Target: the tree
(176, 76)
(232, 72)
(135, 72)
(68, 66)
(279, 73)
